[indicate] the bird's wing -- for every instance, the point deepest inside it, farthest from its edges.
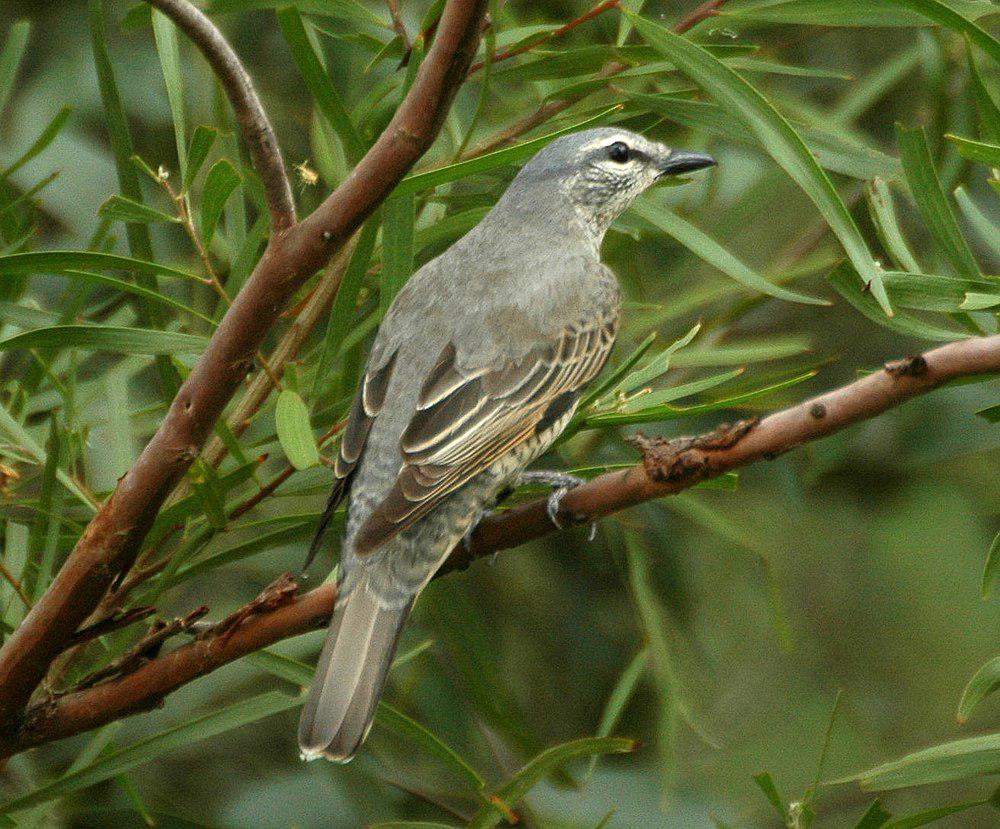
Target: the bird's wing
(367, 404)
(467, 420)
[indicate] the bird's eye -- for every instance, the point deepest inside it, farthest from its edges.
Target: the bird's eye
(618, 152)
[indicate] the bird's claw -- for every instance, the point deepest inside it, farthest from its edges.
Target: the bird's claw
(561, 482)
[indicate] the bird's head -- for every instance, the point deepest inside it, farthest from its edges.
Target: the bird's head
(603, 170)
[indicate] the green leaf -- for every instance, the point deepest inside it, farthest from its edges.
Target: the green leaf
(651, 615)
(848, 284)
(319, 83)
(20, 437)
(766, 784)
(412, 824)
(777, 137)
(201, 145)
(339, 319)
(110, 338)
(874, 817)
(976, 150)
(657, 365)
(933, 815)
(619, 698)
(118, 208)
(10, 59)
(948, 15)
(179, 736)
(46, 137)
(397, 246)
(220, 183)
(616, 375)
(992, 567)
(409, 729)
(168, 48)
(703, 246)
(542, 765)
(931, 292)
(989, 112)
(957, 760)
(983, 225)
(832, 151)
(665, 411)
(853, 12)
(133, 288)
(925, 186)
(66, 261)
(139, 241)
(295, 431)
(886, 225)
(415, 182)
(349, 11)
(983, 683)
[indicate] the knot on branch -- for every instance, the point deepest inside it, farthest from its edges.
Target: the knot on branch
(915, 366)
(279, 592)
(687, 459)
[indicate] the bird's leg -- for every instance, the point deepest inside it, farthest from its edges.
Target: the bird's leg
(561, 483)
(501, 496)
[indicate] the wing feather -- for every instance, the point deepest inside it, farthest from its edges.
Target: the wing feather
(467, 420)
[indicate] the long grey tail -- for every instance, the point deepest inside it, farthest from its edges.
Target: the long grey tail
(350, 676)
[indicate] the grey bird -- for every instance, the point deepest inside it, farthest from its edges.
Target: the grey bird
(476, 369)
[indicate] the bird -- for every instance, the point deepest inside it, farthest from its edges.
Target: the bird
(478, 365)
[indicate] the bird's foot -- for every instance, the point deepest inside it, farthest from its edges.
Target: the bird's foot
(561, 483)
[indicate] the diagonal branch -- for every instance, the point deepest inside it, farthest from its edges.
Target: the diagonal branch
(113, 538)
(250, 114)
(668, 466)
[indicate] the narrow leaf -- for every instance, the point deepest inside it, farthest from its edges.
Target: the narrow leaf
(220, 183)
(925, 186)
(983, 683)
(121, 760)
(542, 765)
(114, 339)
(777, 137)
(703, 246)
(201, 145)
(118, 208)
(957, 760)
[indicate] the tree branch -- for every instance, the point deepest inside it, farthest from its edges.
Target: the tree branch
(250, 114)
(111, 541)
(668, 466)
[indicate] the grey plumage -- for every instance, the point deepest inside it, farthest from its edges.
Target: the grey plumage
(476, 369)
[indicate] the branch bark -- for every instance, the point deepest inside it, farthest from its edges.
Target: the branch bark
(111, 541)
(668, 466)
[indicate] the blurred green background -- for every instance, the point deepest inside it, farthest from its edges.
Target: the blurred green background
(851, 565)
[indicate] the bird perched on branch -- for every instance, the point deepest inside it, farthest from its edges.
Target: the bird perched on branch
(476, 369)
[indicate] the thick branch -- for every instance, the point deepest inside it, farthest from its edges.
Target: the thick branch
(669, 466)
(112, 539)
(254, 123)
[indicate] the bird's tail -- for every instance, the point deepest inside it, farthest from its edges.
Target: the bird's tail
(350, 676)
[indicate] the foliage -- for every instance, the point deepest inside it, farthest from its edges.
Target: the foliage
(130, 219)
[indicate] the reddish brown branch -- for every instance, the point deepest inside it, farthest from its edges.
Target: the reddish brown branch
(250, 114)
(111, 541)
(599, 9)
(668, 466)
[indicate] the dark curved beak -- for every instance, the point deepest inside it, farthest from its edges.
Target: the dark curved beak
(681, 161)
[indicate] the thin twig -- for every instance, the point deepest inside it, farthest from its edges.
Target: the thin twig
(398, 25)
(597, 10)
(550, 109)
(13, 581)
(668, 467)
